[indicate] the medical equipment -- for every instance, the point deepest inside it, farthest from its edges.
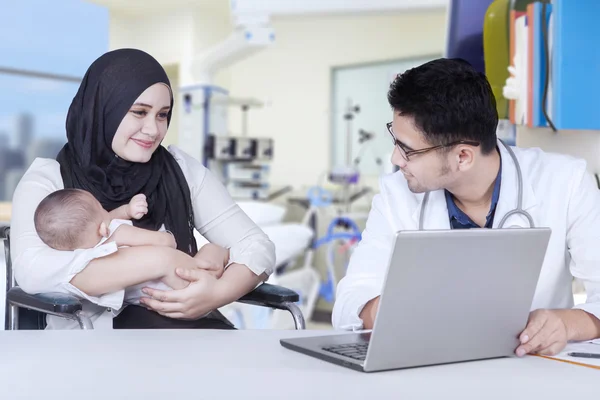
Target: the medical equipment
(204, 129)
(346, 175)
(349, 174)
(241, 162)
(319, 197)
(365, 139)
(342, 232)
(331, 239)
(298, 242)
(518, 210)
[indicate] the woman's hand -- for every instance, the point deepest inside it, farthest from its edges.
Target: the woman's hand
(179, 261)
(212, 259)
(173, 280)
(204, 293)
(196, 300)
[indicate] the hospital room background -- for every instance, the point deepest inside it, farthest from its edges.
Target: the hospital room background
(285, 101)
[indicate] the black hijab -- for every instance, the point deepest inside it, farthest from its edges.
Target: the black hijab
(109, 88)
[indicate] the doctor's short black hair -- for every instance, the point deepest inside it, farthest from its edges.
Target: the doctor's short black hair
(449, 101)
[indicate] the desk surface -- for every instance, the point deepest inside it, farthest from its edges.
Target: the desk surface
(204, 364)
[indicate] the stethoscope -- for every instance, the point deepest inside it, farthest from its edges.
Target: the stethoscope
(518, 210)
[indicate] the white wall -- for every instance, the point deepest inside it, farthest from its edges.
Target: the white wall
(165, 36)
(169, 37)
(295, 76)
(581, 144)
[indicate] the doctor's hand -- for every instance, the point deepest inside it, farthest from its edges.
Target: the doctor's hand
(369, 312)
(193, 302)
(545, 334)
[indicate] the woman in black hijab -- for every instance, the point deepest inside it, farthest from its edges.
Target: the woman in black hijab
(115, 126)
(88, 161)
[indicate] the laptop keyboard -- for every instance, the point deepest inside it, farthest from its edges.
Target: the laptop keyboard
(358, 351)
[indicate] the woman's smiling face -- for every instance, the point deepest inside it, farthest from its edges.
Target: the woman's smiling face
(144, 126)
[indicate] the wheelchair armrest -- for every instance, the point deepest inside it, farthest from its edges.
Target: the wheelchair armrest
(278, 297)
(267, 293)
(54, 303)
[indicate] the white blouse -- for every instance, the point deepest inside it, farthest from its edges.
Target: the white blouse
(41, 269)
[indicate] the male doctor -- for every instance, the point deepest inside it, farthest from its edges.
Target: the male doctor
(444, 134)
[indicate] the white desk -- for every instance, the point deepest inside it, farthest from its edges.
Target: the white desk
(204, 364)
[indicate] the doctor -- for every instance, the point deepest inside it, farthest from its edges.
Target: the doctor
(454, 173)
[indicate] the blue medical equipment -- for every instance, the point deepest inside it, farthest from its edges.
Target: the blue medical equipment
(320, 197)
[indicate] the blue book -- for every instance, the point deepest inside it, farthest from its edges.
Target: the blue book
(539, 63)
(576, 64)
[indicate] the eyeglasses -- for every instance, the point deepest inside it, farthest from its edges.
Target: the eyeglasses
(406, 154)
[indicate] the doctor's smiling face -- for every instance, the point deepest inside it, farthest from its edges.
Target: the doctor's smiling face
(444, 124)
(424, 168)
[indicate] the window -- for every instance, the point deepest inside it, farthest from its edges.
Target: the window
(45, 51)
(360, 112)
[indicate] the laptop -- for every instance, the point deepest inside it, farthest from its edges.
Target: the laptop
(448, 296)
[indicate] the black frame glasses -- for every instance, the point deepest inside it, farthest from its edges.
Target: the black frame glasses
(406, 154)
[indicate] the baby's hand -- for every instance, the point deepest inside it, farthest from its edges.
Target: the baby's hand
(137, 207)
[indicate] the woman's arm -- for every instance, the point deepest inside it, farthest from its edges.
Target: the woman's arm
(41, 269)
(237, 280)
(37, 267)
(204, 294)
(213, 259)
(221, 221)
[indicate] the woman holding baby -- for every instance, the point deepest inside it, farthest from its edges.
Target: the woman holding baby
(115, 126)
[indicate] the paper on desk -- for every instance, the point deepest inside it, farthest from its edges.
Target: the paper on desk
(579, 347)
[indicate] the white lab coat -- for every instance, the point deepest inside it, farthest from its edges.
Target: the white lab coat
(558, 192)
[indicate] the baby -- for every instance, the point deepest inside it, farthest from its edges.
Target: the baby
(71, 219)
